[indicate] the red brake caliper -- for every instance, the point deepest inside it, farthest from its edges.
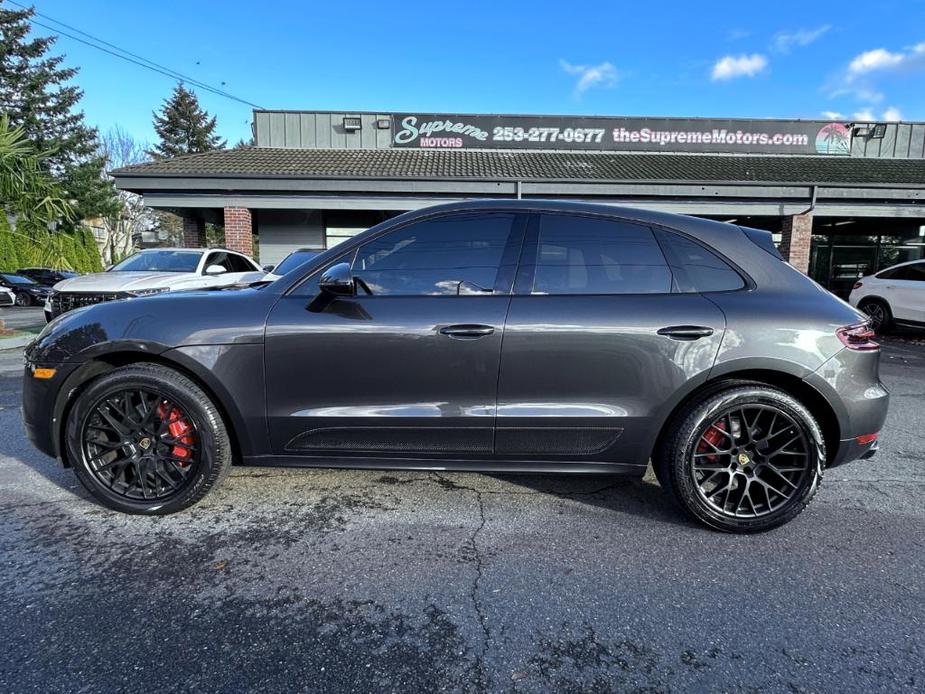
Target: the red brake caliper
(713, 435)
(179, 429)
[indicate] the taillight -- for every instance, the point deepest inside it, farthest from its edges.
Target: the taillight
(857, 285)
(866, 438)
(857, 337)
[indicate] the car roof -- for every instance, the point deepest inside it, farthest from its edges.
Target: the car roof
(189, 250)
(712, 232)
(908, 262)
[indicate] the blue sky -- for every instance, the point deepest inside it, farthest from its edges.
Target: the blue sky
(735, 59)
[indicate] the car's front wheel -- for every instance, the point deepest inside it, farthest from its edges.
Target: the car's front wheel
(745, 458)
(146, 439)
(23, 299)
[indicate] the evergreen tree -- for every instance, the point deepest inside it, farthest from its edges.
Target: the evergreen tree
(183, 127)
(37, 96)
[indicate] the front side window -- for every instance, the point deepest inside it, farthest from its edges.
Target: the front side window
(453, 255)
(239, 263)
(589, 255)
(696, 269)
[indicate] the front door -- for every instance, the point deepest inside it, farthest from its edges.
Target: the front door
(907, 292)
(601, 333)
(408, 367)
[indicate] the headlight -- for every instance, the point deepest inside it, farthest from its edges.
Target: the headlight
(148, 292)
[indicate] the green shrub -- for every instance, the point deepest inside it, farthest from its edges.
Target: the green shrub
(62, 250)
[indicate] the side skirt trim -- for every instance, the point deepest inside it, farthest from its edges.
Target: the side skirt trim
(509, 466)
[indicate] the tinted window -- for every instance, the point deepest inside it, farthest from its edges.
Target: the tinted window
(585, 255)
(434, 257)
(695, 268)
(159, 261)
(17, 279)
(915, 272)
(219, 258)
(294, 260)
(239, 263)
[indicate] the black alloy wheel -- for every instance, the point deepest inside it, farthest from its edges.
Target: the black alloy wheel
(23, 299)
(147, 439)
(750, 461)
(742, 458)
(140, 444)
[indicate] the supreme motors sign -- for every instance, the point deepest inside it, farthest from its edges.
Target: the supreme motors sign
(448, 131)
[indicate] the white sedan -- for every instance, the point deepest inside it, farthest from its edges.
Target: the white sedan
(893, 295)
(153, 271)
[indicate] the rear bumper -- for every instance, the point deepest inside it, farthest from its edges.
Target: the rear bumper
(850, 449)
(850, 381)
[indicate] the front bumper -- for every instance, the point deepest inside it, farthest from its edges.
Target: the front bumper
(41, 406)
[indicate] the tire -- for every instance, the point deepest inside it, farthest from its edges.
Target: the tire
(881, 317)
(690, 467)
(202, 441)
(23, 299)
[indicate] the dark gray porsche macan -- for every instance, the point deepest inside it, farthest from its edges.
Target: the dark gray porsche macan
(501, 336)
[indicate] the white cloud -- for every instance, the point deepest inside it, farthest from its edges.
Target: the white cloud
(731, 66)
(892, 113)
(833, 115)
(865, 115)
(785, 40)
(877, 59)
(602, 75)
(880, 59)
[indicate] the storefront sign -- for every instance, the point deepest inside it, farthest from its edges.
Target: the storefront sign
(442, 131)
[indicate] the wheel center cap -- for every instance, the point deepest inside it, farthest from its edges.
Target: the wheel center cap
(744, 459)
(145, 443)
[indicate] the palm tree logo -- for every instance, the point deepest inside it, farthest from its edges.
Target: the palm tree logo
(833, 138)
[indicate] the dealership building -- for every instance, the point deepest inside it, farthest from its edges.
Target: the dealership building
(843, 198)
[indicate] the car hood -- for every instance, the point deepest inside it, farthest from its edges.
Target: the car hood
(121, 281)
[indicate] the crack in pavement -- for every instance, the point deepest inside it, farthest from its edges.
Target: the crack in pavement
(479, 664)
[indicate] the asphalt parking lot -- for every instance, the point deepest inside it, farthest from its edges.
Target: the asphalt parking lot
(318, 580)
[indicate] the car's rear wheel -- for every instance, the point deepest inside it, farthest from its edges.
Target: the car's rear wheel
(146, 439)
(881, 317)
(745, 458)
(23, 299)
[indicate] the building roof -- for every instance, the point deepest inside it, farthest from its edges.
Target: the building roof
(482, 165)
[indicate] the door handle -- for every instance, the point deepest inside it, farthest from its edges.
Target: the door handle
(467, 332)
(686, 332)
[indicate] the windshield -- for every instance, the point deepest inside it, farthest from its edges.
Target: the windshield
(17, 279)
(159, 261)
(293, 260)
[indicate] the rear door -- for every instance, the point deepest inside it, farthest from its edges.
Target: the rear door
(599, 336)
(407, 368)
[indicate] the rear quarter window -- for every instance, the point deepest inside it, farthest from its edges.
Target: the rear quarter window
(695, 268)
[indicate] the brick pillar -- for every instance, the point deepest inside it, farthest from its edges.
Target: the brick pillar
(194, 233)
(796, 236)
(239, 235)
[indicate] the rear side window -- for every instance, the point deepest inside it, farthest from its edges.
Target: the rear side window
(587, 255)
(915, 273)
(696, 269)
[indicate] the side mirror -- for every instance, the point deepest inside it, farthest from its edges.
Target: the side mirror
(215, 270)
(268, 268)
(338, 280)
